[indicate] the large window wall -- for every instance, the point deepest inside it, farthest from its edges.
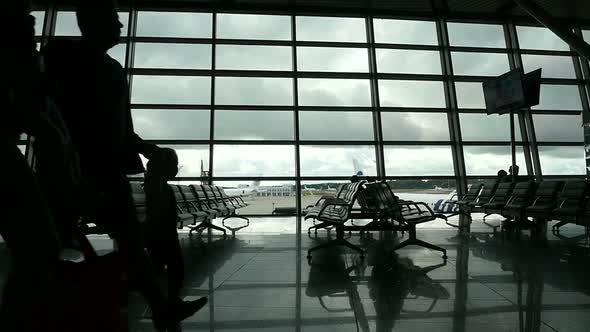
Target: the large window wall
(305, 101)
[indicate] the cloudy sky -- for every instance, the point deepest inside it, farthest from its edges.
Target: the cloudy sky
(278, 160)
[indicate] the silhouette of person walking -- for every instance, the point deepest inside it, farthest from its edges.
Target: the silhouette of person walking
(26, 224)
(91, 91)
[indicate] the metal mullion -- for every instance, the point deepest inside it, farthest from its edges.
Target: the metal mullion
(332, 75)
(412, 77)
(490, 143)
(172, 40)
(389, 109)
(170, 107)
(425, 177)
(557, 112)
(474, 49)
(560, 143)
(337, 143)
(453, 114)
(582, 69)
(212, 97)
(334, 44)
(515, 61)
(416, 143)
(296, 125)
(546, 52)
(411, 47)
(334, 109)
(375, 96)
(254, 142)
(178, 141)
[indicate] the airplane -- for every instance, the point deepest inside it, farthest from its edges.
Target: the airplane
(243, 192)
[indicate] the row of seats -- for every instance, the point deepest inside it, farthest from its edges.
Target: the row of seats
(377, 202)
(197, 206)
(566, 202)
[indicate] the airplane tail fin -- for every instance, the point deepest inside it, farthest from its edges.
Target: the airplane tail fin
(357, 167)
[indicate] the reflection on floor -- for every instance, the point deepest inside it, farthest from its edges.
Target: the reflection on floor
(261, 281)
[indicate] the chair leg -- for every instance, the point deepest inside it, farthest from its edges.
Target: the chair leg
(235, 229)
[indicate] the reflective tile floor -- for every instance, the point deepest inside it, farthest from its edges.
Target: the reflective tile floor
(262, 281)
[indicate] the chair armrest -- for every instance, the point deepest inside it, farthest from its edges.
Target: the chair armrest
(562, 202)
(535, 201)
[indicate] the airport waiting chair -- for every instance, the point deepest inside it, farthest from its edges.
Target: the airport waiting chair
(546, 200)
(498, 200)
(572, 204)
(485, 196)
(463, 203)
(203, 215)
(335, 212)
(236, 201)
(195, 217)
(317, 206)
(407, 214)
(230, 204)
(522, 197)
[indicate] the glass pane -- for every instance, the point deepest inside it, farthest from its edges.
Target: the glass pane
(558, 128)
(411, 93)
(39, 21)
(160, 55)
(332, 59)
(405, 32)
(562, 160)
(497, 127)
(22, 149)
(342, 126)
(586, 34)
(253, 125)
(239, 26)
(553, 66)
(480, 64)
(337, 160)
(337, 29)
(254, 160)
(168, 24)
(190, 159)
(171, 90)
(418, 160)
(538, 38)
(253, 57)
(559, 97)
(67, 25)
(488, 160)
(428, 191)
(408, 126)
(118, 53)
(253, 91)
(476, 35)
(171, 124)
(264, 197)
(408, 62)
(334, 92)
(470, 95)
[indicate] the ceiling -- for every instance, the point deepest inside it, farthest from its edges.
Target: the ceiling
(578, 10)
